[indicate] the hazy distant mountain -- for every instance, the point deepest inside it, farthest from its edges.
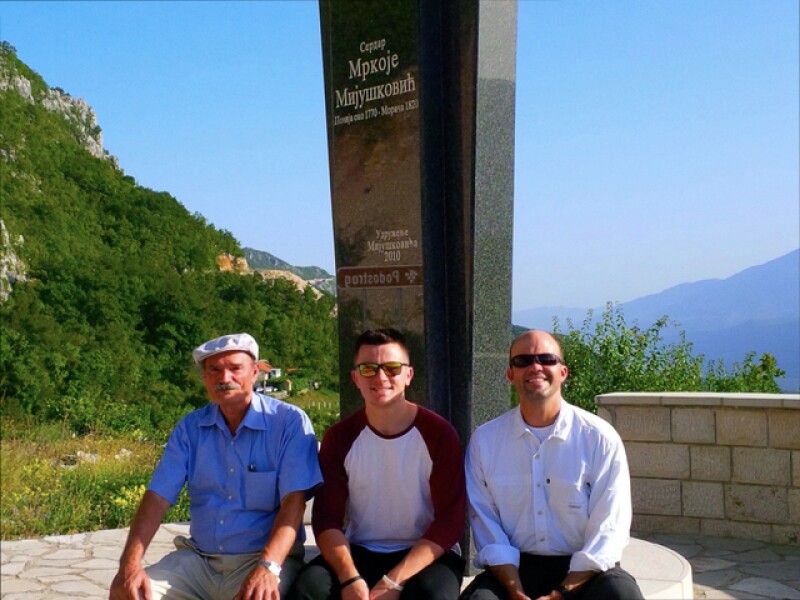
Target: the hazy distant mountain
(319, 278)
(768, 293)
(258, 259)
(755, 310)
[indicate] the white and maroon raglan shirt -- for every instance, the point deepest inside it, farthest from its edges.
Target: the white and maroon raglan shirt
(388, 492)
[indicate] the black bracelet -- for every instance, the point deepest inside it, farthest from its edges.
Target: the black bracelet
(344, 584)
(565, 593)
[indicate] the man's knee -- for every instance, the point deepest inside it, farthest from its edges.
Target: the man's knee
(484, 587)
(175, 575)
(438, 581)
(481, 594)
(614, 584)
(446, 587)
(314, 582)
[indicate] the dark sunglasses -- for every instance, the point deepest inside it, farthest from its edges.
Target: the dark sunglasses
(370, 369)
(521, 361)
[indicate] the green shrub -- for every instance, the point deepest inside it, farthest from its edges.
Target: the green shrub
(610, 355)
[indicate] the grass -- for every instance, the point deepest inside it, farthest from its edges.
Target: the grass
(321, 406)
(54, 483)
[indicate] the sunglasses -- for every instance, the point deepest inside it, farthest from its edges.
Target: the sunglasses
(370, 369)
(521, 361)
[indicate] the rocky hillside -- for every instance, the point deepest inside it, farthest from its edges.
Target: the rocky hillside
(12, 269)
(238, 264)
(107, 285)
(17, 77)
(17, 80)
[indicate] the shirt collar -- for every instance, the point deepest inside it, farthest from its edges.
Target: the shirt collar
(566, 416)
(253, 418)
(563, 423)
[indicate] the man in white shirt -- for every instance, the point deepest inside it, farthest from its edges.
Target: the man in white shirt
(549, 491)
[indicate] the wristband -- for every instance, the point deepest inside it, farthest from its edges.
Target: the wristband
(271, 566)
(392, 584)
(344, 584)
(563, 591)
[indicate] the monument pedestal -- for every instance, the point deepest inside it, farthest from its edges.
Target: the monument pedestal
(420, 113)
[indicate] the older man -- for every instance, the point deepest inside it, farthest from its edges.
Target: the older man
(250, 463)
(549, 491)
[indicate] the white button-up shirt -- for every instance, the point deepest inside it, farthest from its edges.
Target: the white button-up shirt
(568, 495)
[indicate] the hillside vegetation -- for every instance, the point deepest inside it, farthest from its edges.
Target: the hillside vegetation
(114, 283)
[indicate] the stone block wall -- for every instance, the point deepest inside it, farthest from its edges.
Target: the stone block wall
(713, 464)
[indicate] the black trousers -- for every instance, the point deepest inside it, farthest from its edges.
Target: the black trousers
(440, 580)
(540, 575)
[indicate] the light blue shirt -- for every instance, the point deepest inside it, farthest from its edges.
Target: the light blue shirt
(236, 482)
(568, 495)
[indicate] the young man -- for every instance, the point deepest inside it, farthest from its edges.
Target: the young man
(250, 463)
(549, 491)
(395, 470)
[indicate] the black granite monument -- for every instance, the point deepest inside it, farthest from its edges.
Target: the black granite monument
(420, 113)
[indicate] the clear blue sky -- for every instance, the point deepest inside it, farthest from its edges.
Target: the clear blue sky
(656, 142)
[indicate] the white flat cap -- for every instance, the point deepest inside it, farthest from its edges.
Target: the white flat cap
(241, 342)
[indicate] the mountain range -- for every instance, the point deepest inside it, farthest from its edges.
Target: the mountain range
(755, 310)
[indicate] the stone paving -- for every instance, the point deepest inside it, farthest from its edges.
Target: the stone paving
(83, 565)
(725, 568)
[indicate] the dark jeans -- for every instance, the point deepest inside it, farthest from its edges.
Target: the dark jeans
(540, 575)
(440, 580)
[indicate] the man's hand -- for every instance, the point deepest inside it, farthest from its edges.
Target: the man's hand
(508, 576)
(128, 582)
(573, 581)
(260, 584)
(131, 579)
(356, 591)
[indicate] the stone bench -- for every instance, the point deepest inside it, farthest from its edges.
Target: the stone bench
(662, 573)
(82, 565)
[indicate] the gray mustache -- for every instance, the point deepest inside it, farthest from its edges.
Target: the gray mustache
(226, 387)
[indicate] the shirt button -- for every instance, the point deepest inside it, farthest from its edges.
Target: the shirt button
(539, 513)
(536, 456)
(222, 521)
(541, 539)
(230, 497)
(220, 547)
(232, 469)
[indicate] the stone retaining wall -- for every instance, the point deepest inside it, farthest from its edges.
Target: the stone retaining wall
(713, 464)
